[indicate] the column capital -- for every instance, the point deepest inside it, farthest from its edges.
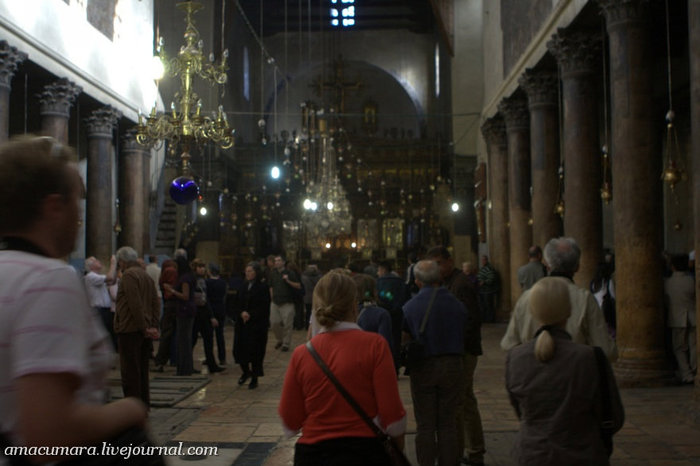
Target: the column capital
(129, 143)
(542, 87)
(57, 97)
(10, 57)
(576, 51)
(623, 11)
(494, 131)
(515, 112)
(102, 121)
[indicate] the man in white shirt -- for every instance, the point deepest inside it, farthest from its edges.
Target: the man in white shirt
(586, 324)
(98, 295)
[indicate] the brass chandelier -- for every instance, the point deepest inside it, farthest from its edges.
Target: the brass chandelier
(185, 124)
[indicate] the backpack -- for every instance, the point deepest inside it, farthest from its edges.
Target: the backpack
(391, 292)
(608, 307)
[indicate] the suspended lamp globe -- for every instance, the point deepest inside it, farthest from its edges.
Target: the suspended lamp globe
(184, 190)
(275, 172)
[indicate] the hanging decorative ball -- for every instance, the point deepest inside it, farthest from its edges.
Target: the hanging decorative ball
(184, 190)
(210, 184)
(559, 208)
(606, 193)
(671, 174)
(261, 123)
(678, 226)
(530, 221)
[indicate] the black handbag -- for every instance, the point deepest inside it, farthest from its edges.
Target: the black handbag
(413, 351)
(395, 455)
(606, 425)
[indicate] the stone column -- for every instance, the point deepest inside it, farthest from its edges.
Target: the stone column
(517, 118)
(10, 57)
(494, 132)
(637, 201)
(131, 192)
(694, 47)
(542, 89)
(56, 100)
(578, 53)
(100, 161)
(146, 185)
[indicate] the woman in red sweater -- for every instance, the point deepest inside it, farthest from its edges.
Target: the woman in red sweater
(332, 432)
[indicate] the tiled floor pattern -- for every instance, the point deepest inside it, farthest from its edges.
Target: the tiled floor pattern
(661, 427)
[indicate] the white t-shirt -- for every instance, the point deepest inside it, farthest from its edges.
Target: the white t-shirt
(97, 293)
(47, 326)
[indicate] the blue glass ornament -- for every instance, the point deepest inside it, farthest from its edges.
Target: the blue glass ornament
(184, 190)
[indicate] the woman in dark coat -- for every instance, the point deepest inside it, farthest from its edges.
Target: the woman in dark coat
(252, 324)
(556, 389)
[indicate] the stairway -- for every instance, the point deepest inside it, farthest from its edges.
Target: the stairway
(166, 233)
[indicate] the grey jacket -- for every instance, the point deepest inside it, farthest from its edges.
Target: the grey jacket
(558, 403)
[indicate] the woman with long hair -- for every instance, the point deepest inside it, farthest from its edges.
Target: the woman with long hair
(252, 323)
(333, 433)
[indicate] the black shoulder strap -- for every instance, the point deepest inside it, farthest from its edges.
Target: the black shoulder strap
(351, 401)
(427, 312)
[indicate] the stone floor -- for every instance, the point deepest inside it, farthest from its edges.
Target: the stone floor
(662, 424)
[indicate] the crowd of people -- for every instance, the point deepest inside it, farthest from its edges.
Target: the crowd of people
(359, 321)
